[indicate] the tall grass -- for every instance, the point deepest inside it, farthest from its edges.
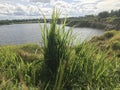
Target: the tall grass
(15, 73)
(57, 44)
(91, 69)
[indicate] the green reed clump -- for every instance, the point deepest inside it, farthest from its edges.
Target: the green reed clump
(57, 44)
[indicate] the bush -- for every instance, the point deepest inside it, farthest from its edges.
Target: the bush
(116, 45)
(109, 34)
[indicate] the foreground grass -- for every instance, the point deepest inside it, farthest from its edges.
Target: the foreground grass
(88, 68)
(17, 66)
(59, 64)
(28, 52)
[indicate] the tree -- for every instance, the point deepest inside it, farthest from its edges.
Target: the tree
(104, 14)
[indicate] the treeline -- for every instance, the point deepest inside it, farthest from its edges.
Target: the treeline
(7, 22)
(104, 20)
(106, 14)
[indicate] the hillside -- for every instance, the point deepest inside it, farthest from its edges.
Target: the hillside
(109, 40)
(108, 23)
(104, 20)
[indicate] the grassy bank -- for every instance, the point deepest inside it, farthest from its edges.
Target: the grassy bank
(107, 23)
(104, 20)
(109, 40)
(22, 67)
(59, 64)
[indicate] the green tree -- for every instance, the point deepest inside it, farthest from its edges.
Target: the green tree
(104, 14)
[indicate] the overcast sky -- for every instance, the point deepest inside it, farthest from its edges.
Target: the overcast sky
(21, 9)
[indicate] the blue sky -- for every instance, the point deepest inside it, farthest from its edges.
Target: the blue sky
(24, 9)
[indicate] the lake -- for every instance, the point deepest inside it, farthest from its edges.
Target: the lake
(30, 33)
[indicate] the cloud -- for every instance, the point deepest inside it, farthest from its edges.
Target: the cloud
(32, 8)
(87, 1)
(6, 8)
(18, 9)
(108, 5)
(43, 1)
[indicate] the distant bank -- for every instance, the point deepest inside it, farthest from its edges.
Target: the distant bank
(104, 20)
(106, 23)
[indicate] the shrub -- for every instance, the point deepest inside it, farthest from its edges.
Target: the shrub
(109, 34)
(116, 45)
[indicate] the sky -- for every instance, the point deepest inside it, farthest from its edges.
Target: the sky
(29, 9)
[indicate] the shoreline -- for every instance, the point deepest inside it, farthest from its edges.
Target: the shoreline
(76, 24)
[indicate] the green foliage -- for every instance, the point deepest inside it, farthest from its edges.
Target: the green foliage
(91, 69)
(31, 48)
(57, 46)
(83, 67)
(104, 20)
(110, 19)
(14, 72)
(106, 14)
(116, 45)
(115, 13)
(109, 34)
(29, 52)
(109, 40)
(103, 14)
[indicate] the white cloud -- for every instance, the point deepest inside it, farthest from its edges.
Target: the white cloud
(32, 8)
(6, 8)
(19, 9)
(87, 1)
(108, 5)
(43, 1)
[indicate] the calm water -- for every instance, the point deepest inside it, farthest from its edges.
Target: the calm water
(30, 33)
